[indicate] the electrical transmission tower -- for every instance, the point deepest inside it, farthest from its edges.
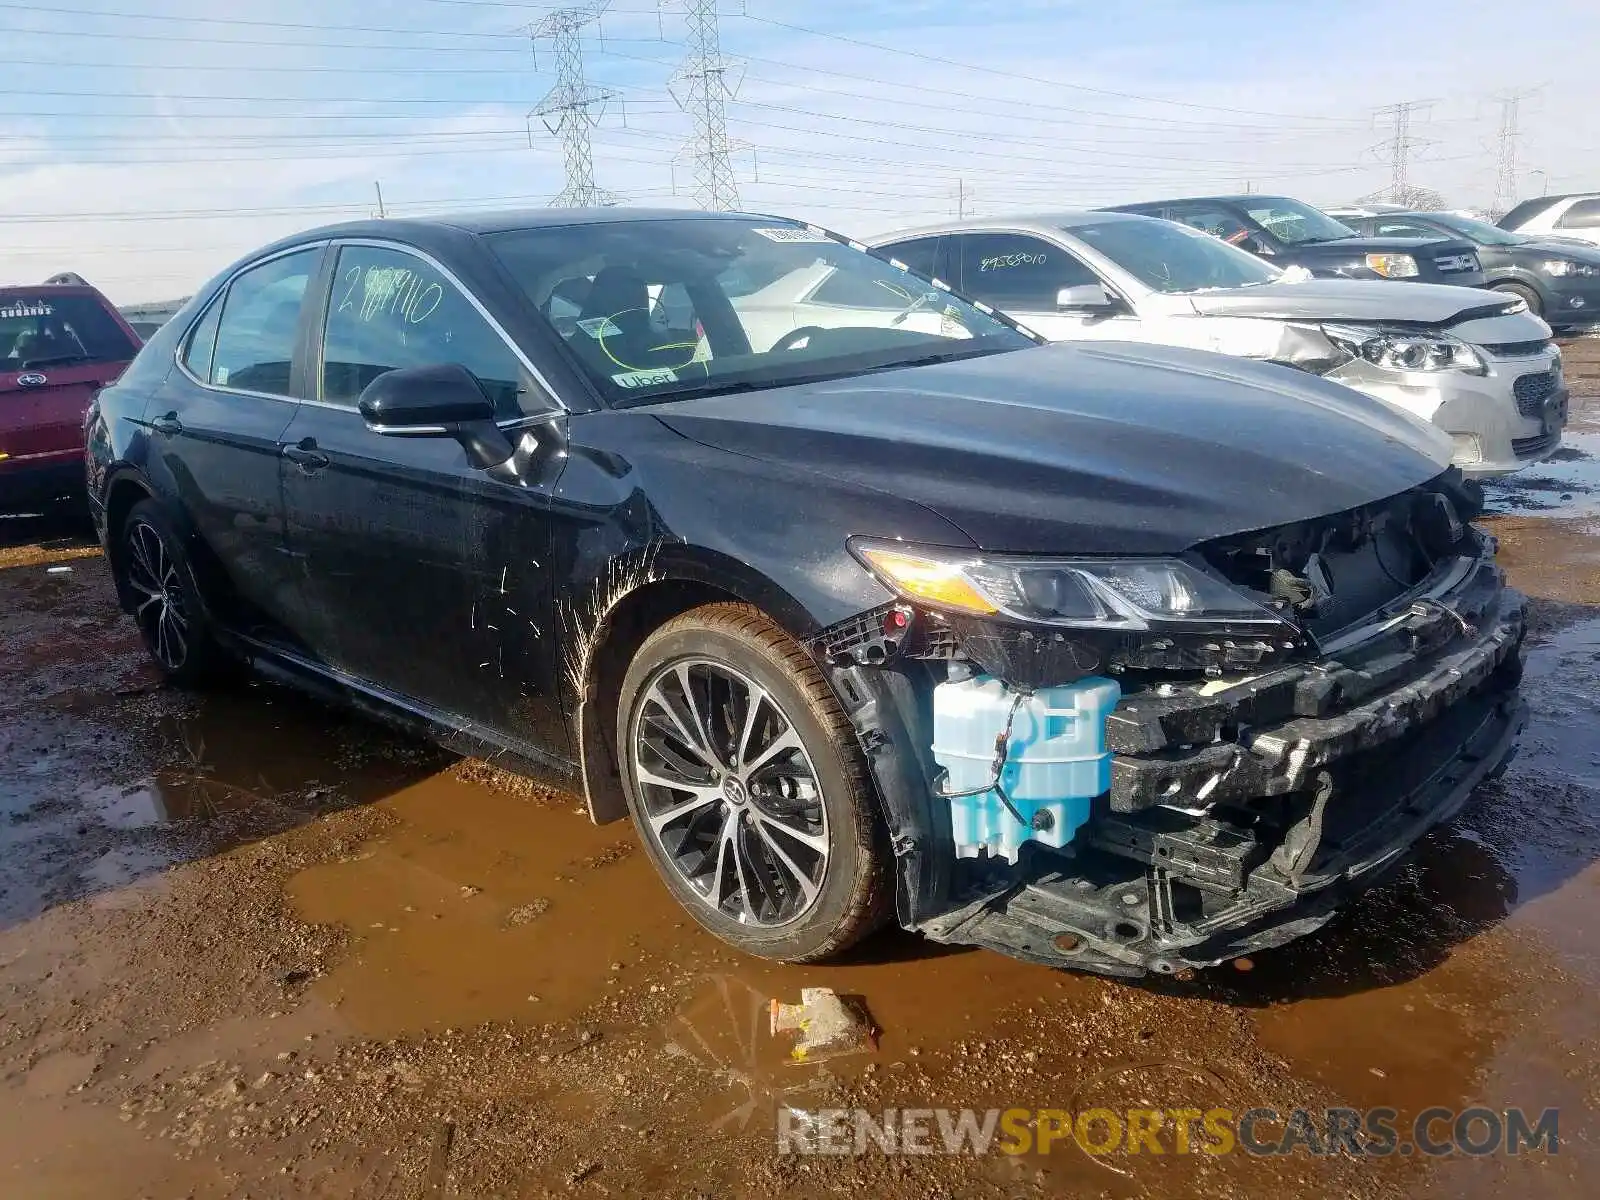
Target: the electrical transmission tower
(1505, 180)
(702, 86)
(1401, 147)
(573, 107)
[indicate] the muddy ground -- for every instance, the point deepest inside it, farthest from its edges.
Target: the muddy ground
(251, 946)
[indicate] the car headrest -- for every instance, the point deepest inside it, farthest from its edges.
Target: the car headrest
(616, 290)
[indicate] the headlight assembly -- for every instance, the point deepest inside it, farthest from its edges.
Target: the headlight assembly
(1561, 267)
(1126, 594)
(1393, 266)
(1398, 350)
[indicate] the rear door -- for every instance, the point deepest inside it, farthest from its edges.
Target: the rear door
(416, 572)
(216, 424)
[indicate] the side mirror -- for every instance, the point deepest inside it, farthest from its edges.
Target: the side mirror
(445, 400)
(1085, 297)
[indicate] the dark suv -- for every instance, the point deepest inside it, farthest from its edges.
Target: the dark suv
(1289, 233)
(857, 599)
(59, 343)
(1558, 278)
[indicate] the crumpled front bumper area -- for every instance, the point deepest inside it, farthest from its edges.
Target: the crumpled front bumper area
(1242, 814)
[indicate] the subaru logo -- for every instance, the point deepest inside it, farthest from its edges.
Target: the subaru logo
(32, 379)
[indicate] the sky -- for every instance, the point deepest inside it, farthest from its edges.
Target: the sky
(146, 144)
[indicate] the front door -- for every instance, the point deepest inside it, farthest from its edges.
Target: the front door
(417, 572)
(216, 424)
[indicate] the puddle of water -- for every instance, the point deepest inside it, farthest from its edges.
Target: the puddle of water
(480, 900)
(1565, 485)
(1471, 979)
(229, 766)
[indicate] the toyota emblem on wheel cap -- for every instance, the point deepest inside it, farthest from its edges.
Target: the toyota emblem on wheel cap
(32, 379)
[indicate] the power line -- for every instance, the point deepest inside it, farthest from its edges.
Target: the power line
(573, 107)
(123, 15)
(1054, 83)
(1159, 122)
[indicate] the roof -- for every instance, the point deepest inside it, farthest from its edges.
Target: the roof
(1241, 198)
(519, 218)
(1066, 218)
(48, 289)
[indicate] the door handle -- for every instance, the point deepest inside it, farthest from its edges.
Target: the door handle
(167, 423)
(305, 455)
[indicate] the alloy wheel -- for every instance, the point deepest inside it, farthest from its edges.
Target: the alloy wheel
(159, 605)
(729, 792)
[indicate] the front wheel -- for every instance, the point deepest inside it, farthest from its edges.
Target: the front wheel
(748, 788)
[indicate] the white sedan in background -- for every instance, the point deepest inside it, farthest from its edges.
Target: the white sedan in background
(1476, 364)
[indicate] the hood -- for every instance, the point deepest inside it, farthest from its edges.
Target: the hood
(1113, 448)
(1353, 300)
(1552, 246)
(1392, 245)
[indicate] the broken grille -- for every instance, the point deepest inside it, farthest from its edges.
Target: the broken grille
(1532, 391)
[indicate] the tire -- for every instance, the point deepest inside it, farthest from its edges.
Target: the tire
(782, 854)
(155, 573)
(1535, 302)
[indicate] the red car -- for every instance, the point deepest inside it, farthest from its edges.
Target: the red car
(59, 344)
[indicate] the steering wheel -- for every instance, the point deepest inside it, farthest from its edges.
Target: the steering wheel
(795, 336)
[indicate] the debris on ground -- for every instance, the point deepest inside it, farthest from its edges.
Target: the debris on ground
(829, 1024)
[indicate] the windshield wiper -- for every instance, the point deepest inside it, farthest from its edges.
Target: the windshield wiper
(928, 360)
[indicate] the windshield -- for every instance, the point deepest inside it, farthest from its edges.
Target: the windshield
(1481, 232)
(1173, 258)
(41, 330)
(664, 309)
(1292, 222)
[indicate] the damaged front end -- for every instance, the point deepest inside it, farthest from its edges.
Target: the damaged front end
(1128, 766)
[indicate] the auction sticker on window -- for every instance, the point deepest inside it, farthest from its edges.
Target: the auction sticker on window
(793, 235)
(600, 327)
(639, 379)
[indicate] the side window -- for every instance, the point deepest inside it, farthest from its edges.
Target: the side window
(1585, 214)
(920, 254)
(260, 317)
(1404, 229)
(202, 341)
(1218, 222)
(1015, 271)
(390, 310)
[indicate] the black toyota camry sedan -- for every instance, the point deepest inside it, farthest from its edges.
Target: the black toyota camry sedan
(860, 603)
